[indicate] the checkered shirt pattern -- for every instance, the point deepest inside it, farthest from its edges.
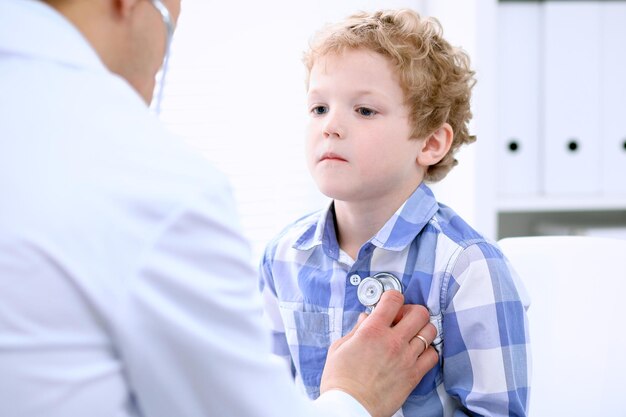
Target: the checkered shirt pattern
(474, 297)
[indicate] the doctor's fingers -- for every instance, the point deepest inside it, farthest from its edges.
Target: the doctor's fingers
(413, 318)
(422, 340)
(425, 362)
(387, 310)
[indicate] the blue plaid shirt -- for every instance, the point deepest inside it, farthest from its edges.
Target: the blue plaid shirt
(474, 298)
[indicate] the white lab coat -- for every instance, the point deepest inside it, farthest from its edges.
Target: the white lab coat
(125, 283)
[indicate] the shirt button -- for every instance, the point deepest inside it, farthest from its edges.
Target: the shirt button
(355, 279)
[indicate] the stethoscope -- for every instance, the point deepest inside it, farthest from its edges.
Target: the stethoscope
(371, 289)
(169, 34)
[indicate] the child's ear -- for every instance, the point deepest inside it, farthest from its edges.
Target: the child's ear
(435, 146)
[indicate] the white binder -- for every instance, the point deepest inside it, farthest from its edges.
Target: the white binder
(614, 98)
(572, 134)
(519, 101)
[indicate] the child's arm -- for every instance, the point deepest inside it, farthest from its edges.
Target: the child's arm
(271, 312)
(486, 354)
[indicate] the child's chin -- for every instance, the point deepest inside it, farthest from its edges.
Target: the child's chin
(335, 194)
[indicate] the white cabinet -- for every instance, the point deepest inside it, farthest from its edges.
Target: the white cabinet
(550, 116)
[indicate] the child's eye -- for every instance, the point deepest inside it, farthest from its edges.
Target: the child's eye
(319, 110)
(364, 111)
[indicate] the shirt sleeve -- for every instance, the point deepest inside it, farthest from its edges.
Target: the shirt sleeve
(191, 334)
(486, 354)
(271, 309)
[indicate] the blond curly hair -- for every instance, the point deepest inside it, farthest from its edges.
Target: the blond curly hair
(435, 77)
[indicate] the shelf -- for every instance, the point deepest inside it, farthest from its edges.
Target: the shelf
(561, 204)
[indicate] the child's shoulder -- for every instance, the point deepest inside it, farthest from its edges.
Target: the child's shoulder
(458, 244)
(455, 228)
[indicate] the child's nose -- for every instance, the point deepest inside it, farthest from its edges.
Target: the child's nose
(333, 125)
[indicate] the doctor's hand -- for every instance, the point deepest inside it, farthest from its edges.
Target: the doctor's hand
(381, 360)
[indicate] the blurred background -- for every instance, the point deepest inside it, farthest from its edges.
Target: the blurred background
(549, 109)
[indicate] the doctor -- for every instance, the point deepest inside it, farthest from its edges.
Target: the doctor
(125, 284)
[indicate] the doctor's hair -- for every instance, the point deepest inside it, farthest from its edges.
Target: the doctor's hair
(435, 77)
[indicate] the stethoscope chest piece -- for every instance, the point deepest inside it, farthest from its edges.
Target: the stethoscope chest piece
(372, 288)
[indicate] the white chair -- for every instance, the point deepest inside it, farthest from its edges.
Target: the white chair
(577, 317)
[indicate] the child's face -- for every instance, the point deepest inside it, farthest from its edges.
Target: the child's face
(359, 145)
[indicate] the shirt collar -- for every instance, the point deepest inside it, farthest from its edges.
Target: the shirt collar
(32, 28)
(321, 233)
(408, 221)
(399, 231)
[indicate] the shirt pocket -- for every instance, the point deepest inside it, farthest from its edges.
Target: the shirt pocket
(308, 335)
(306, 325)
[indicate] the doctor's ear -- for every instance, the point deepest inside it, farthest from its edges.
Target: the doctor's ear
(435, 146)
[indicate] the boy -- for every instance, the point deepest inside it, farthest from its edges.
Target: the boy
(389, 103)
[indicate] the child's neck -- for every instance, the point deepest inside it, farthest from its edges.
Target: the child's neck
(359, 222)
